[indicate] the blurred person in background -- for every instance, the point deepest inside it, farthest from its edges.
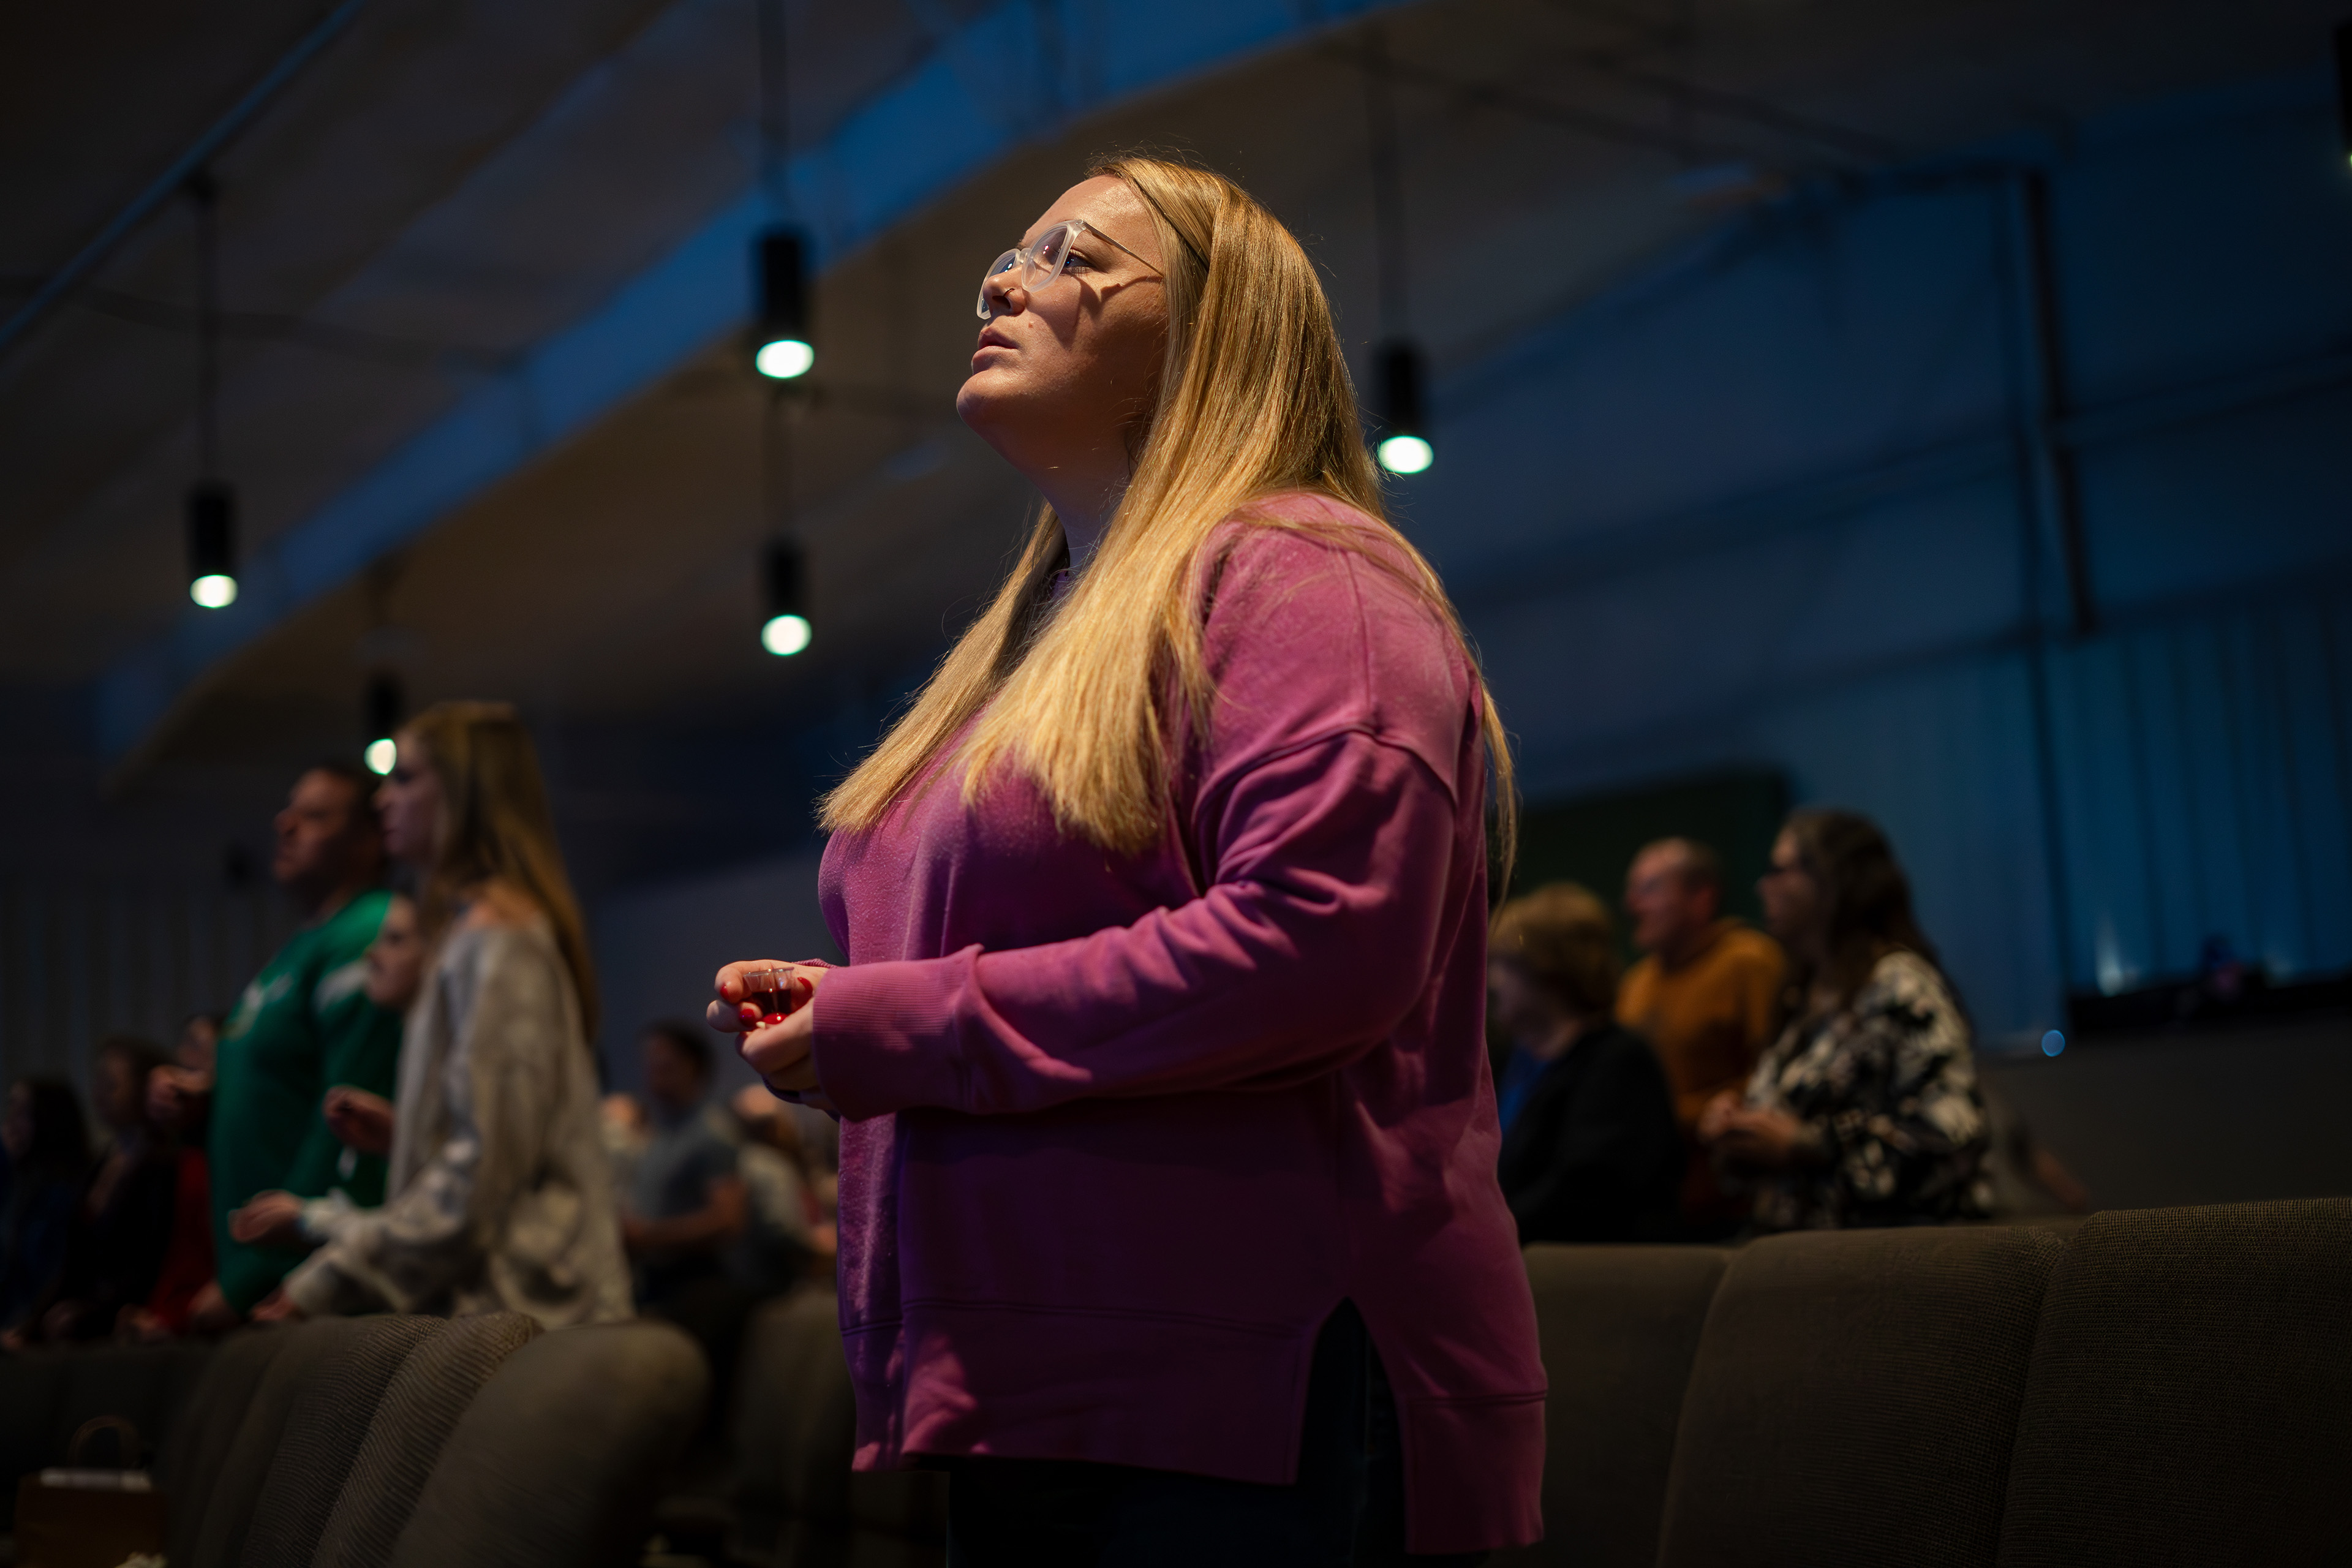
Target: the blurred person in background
(179, 1103)
(121, 1222)
(685, 1207)
(786, 1229)
(1590, 1152)
(396, 972)
(1865, 1110)
(1706, 994)
(1169, 1215)
(304, 1025)
(48, 1148)
(502, 1199)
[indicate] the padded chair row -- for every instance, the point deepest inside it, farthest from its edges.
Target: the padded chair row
(389, 1442)
(2167, 1387)
(2159, 1386)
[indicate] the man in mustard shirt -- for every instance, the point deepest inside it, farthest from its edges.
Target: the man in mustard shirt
(1707, 995)
(303, 1026)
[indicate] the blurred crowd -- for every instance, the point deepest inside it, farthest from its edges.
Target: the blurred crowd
(1818, 1074)
(402, 1111)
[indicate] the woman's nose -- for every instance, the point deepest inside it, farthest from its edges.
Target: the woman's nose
(999, 292)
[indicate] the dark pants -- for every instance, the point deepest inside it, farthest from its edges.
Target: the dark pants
(1346, 1509)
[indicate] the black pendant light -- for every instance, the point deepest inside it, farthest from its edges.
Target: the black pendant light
(211, 503)
(1402, 443)
(784, 629)
(782, 348)
(386, 707)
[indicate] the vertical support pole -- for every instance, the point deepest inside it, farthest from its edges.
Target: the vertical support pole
(2044, 491)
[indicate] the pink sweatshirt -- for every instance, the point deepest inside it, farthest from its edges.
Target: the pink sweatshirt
(1121, 1132)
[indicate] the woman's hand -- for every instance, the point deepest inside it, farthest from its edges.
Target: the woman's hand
(360, 1119)
(1717, 1116)
(1764, 1139)
(271, 1219)
(277, 1308)
(782, 1053)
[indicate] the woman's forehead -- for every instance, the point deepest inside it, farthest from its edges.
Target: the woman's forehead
(1107, 203)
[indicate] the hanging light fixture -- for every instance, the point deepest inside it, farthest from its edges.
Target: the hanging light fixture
(782, 346)
(211, 503)
(1404, 444)
(780, 349)
(785, 630)
(385, 708)
(1404, 448)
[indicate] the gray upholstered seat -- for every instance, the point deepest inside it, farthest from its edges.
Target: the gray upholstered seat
(1854, 1399)
(559, 1460)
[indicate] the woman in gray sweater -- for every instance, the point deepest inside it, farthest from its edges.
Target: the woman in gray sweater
(503, 1193)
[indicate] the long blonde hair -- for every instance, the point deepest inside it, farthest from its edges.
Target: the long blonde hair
(495, 825)
(1254, 401)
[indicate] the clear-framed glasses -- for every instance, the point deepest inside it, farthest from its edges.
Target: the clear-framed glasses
(1039, 264)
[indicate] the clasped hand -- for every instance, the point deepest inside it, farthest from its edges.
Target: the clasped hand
(1753, 1138)
(782, 1053)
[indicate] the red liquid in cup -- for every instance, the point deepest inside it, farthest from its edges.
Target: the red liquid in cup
(773, 991)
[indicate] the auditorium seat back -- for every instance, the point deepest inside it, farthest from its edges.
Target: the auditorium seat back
(1855, 1398)
(2190, 1401)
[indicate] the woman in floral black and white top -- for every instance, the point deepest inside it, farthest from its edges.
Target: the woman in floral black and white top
(1865, 1111)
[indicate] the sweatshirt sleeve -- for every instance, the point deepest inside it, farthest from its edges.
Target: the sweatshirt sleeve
(1325, 833)
(408, 1255)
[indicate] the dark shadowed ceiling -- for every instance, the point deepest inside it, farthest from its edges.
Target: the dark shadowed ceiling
(449, 185)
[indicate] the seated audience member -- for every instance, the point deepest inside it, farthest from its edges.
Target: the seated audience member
(395, 970)
(786, 1229)
(179, 1099)
(1706, 994)
(685, 1207)
(303, 1026)
(121, 1224)
(502, 1199)
(48, 1149)
(1865, 1111)
(1590, 1150)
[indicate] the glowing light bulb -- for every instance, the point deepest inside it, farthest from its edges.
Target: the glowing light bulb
(214, 589)
(380, 754)
(1406, 453)
(785, 636)
(784, 359)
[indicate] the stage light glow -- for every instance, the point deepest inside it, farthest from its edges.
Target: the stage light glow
(784, 359)
(2053, 1043)
(381, 754)
(1406, 453)
(785, 636)
(214, 589)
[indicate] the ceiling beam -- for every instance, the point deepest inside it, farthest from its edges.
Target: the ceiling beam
(930, 128)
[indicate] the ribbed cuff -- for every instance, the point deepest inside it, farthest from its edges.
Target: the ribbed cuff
(887, 1035)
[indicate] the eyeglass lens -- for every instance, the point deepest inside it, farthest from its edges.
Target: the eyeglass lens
(1039, 264)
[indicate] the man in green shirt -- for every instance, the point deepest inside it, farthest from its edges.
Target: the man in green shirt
(303, 1026)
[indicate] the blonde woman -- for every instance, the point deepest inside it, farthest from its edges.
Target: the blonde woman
(502, 1199)
(1169, 1218)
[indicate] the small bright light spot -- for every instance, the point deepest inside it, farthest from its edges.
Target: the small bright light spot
(214, 591)
(2053, 1043)
(381, 754)
(784, 359)
(1406, 453)
(785, 636)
